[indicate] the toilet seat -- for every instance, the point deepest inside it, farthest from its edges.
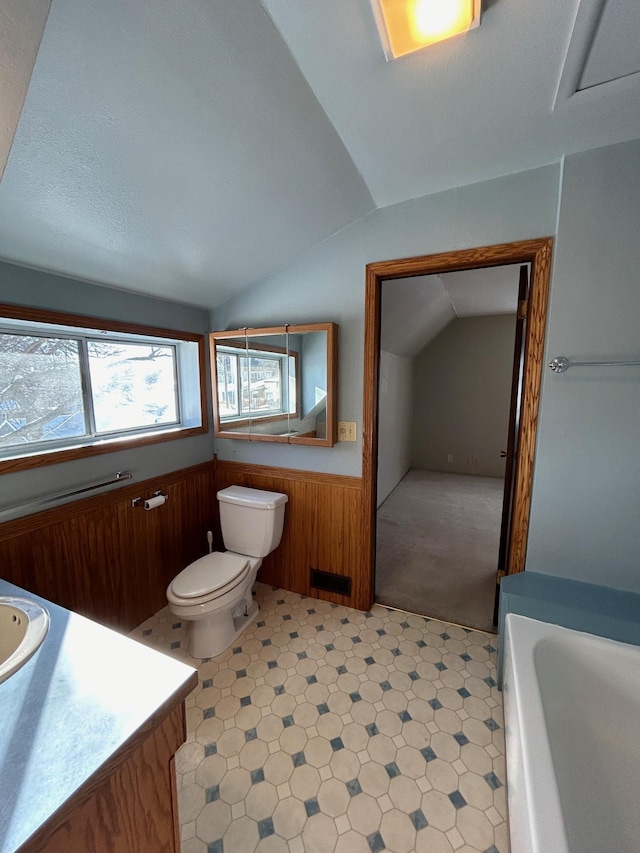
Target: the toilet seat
(208, 578)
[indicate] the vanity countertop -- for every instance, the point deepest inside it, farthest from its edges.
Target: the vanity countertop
(84, 700)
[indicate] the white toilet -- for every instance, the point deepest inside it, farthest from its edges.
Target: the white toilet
(213, 595)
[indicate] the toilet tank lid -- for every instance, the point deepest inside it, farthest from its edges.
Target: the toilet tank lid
(255, 498)
(208, 574)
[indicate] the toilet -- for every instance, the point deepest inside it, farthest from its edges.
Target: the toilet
(213, 595)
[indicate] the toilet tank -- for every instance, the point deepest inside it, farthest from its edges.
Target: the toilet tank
(251, 520)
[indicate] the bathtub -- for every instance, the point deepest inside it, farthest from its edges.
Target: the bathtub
(572, 722)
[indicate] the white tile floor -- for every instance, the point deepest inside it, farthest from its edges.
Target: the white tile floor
(324, 728)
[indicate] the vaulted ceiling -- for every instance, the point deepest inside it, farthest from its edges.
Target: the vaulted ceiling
(188, 148)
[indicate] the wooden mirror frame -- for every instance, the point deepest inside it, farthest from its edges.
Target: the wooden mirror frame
(331, 331)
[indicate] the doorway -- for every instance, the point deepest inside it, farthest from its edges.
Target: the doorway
(536, 253)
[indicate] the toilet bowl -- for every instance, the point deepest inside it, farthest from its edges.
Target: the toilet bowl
(213, 595)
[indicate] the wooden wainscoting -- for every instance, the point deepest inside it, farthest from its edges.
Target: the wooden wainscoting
(322, 528)
(106, 559)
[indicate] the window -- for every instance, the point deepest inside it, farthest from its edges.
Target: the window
(64, 387)
(258, 383)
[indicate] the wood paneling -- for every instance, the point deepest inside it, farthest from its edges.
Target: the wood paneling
(322, 527)
(536, 252)
(106, 559)
(127, 809)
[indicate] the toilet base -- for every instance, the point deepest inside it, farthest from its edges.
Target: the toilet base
(210, 636)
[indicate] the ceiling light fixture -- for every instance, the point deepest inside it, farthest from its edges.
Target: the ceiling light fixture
(408, 25)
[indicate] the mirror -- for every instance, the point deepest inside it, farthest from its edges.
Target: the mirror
(276, 384)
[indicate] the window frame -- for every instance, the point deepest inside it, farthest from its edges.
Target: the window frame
(268, 351)
(93, 445)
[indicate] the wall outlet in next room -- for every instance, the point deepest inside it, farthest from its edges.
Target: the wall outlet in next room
(346, 431)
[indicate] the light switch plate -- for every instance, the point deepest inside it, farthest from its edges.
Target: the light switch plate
(346, 431)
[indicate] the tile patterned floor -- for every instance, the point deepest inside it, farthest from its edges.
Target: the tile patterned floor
(327, 729)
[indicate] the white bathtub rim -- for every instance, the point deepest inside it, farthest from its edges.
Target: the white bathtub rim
(536, 823)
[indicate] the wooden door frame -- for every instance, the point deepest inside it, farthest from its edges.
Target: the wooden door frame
(535, 252)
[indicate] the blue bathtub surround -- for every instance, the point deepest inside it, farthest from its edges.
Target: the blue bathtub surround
(77, 704)
(588, 607)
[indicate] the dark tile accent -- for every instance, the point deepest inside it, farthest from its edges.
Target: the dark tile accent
(355, 697)
(286, 617)
(319, 627)
(278, 689)
(272, 664)
(404, 624)
(368, 614)
(369, 661)
(336, 743)
(405, 716)
(244, 701)
(177, 625)
(329, 647)
(311, 679)
(265, 827)
(462, 739)
(280, 601)
(175, 645)
(445, 636)
(208, 713)
(465, 657)
(311, 807)
(492, 849)
(356, 640)
(385, 685)
(421, 644)
(436, 704)
(440, 666)
(491, 724)
(237, 650)
(413, 675)
(298, 759)
(489, 648)
(250, 734)
(396, 652)
(241, 673)
(490, 681)
(464, 692)
(212, 793)
(492, 781)
(376, 842)
(380, 632)
(344, 621)
(418, 820)
(302, 655)
(354, 788)
(341, 669)
(392, 769)
(457, 799)
(372, 729)
(215, 846)
(147, 631)
(311, 612)
(287, 721)
(210, 749)
(266, 642)
(323, 708)
(428, 754)
(294, 634)
(257, 776)
(260, 624)
(208, 682)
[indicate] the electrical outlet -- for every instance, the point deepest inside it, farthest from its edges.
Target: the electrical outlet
(450, 457)
(346, 431)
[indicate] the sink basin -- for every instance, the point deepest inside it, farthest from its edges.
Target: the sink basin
(23, 627)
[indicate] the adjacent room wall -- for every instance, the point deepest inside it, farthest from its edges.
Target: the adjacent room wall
(21, 286)
(461, 395)
(586, 493)
(394, 421)
(327, 284)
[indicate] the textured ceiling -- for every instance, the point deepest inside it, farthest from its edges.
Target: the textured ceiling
(188, 148)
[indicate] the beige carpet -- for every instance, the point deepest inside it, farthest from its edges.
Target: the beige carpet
(437, 546)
